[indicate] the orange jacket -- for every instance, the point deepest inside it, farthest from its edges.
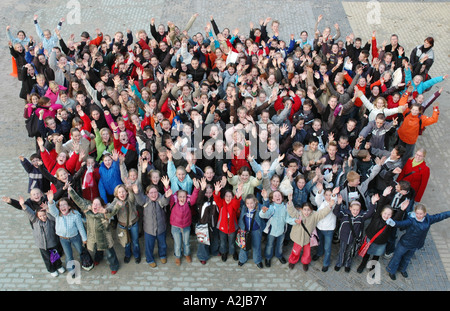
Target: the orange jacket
(408, 132)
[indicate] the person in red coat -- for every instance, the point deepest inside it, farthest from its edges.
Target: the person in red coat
(229, 208)
(417, 173)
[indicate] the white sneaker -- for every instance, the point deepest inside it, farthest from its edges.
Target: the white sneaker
(388, 256)
(61, 270)
(54, 274)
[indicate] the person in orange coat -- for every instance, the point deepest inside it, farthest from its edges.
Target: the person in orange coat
(412, 126)
(417, 173)
(229, 208)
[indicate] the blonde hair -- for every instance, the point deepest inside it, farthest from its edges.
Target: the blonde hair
(352, 176)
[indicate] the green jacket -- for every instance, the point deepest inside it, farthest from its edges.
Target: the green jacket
(97, 225)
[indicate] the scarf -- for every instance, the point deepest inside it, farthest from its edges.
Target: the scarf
(88, 180)
(415, 163)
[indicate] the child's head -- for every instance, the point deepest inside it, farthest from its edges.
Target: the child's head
(181, 173)
(209, 173)
(64, 206)
(275, 181)
(343, 142)
(40, 79)
(313, 143)
(364, 155)
(50, 122)
(353, 179)
(316, 124)
(403, 187)
(244, 174)
(351, 124)
(307, 105)
(332, 149)
(355, 208)
(380, 103)
(300, 181)
(152, 192)
(327, 194)
(421, 211)
(36, 194)
(228, 196)
(387, 212)
(34, 159)
(250, 201)
(62, 174)
(306, 209)
(121, 192)
(276, 197)
(297, 148)
(379, 120)
(42, 214)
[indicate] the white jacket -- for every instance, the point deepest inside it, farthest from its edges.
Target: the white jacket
(329, 222)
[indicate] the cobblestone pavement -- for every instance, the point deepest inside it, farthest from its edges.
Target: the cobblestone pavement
(21, 266)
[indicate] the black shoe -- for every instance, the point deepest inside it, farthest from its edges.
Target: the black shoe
(336, 268)
(126, 259)
(137, 260)
(240, 264)
(315, 257)
(235, 257)
(324, 269)
(260, 265)
(267, 263)
(282, 260)
(347, 269)
(405, 274)
(392, 276)
(291, 266)
(360, 268)
(305, 267)
(224, 257)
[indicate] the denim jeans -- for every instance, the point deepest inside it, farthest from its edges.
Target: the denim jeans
(134, 232)
(274, 242)
(256, 248)
(181, 240)
(390, 247)
(111, 257)
(401, 259)
(150, 246)
(324, 247)
(67, 247)
(227, 242)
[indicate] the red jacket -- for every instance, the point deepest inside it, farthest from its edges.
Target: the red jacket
(49, 160)
(297, 103)
(239, 161)
(417, 176)
(228, 214)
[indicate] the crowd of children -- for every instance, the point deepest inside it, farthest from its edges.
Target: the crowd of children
(246, 142)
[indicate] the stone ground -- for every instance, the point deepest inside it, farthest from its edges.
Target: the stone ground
(21, 267)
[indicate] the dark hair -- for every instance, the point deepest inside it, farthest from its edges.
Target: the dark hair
(400, 150)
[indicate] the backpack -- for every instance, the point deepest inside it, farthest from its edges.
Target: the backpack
(32, 123)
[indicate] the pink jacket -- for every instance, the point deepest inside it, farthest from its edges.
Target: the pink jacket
(51, 112)
(54, 97)
(181, 215)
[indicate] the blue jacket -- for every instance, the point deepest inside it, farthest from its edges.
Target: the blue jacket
(416, 231)
(300, 196)
(258, 223)
(424, 85)
(109, 179)
(278, 218)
